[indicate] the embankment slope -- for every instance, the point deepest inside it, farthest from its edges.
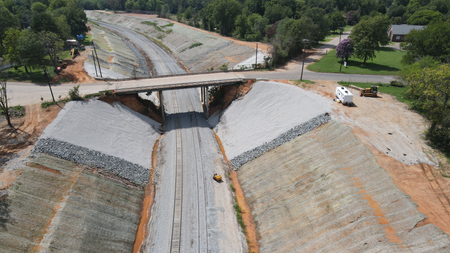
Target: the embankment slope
(324, 191)
(56, 206)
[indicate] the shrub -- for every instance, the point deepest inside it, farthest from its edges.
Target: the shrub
(74, 94)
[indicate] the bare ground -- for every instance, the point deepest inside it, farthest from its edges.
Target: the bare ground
(382, 123)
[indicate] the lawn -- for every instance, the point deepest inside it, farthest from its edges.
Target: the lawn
(36, 74)
(386, 62)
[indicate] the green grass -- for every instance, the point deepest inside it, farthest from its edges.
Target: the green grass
(36, 74)
(398, 92)
(15, 111)
(239, 214)
(157, 41)
(153, 24)
(87, 40)
(170, 24)
(387, 62)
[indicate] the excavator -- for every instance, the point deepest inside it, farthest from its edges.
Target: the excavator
(369, 92)
(217, 177)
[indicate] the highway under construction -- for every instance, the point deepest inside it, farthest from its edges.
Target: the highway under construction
(103, 177)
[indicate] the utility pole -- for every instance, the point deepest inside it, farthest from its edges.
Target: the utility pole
(98, 62)
(341, 29)
(48, 81)
(95, 66)
(305, 41)
(256, 61)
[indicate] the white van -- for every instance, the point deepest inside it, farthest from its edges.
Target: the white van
(345, 96)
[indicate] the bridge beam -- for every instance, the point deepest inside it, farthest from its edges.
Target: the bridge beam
(161, 105)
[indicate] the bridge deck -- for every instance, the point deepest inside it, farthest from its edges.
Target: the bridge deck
(177, 85)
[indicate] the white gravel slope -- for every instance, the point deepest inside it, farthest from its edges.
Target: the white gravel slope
(268, 110)
(113, 130)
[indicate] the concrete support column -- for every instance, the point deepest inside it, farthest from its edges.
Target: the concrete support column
(201, 95)
(206, 102)
(161, 104)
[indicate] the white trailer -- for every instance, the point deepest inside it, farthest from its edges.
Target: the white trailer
(345, 96)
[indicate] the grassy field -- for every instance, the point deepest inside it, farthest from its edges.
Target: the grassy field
(36, 74)
(387, 62)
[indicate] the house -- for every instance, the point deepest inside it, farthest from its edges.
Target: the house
(397, 32)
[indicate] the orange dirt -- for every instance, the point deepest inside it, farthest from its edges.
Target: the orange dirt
(149, 192)
(250, 225)
(27, 130)
(42, 167)
(261, 46)
(132, 102)
(75, 70)
(231, 92)
(370, 120)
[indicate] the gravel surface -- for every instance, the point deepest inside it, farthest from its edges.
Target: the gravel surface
(246, 157)
(84, 156)
(113, 130)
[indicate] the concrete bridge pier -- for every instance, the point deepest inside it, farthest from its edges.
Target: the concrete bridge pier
(205, 100)
(161, 104)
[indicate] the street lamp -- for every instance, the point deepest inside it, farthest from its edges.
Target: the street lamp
(305, 41)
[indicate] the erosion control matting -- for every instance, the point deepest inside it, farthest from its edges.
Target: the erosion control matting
(57, 206)
(324, 191)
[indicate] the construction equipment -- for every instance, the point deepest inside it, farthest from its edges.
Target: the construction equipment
(369, 92)
(74, 52)
(217, 177)
(62, 64)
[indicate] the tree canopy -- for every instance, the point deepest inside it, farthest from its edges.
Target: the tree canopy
(368, 35)
(433, 40)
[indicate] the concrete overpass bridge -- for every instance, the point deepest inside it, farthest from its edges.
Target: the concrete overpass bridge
(179, 82)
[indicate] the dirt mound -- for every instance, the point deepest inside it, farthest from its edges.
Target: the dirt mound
(326, 192)
(75, 71)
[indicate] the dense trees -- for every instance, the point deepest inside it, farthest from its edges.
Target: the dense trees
(32, 32)
(433, 40)
(368, 35)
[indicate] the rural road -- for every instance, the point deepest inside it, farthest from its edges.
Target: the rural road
(185, 211)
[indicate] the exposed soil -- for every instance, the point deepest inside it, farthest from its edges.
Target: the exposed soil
(27, 130)
(75, 70)
(250, 225)
(149, 192)
(385, 122)
(132, 101)
(232, 92)
(261, 46)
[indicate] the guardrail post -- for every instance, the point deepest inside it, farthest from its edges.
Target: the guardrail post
(161, 105)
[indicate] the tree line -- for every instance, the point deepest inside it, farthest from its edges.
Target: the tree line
(32, 32)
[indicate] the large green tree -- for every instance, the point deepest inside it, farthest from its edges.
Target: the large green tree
(368, 35)
(432, 88)
(7, 20)
(224, 14)
(337, 20)
(433, 40)
(424, 17)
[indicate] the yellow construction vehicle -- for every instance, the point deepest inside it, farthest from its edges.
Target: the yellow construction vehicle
(369, 92)
(62, 64)
(217, 177)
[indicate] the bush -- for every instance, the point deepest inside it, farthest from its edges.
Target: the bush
(396, 84)
(74, 94)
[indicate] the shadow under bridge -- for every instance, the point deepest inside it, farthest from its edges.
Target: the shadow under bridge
(203, 85)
